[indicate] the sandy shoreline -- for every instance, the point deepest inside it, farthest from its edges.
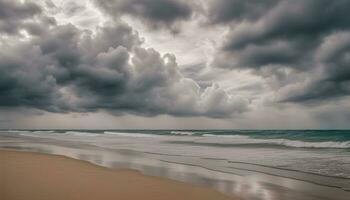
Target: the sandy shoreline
(34, 176)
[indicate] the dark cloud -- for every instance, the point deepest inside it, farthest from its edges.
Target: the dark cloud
(285, 33)
(154, 13)
(227, 11)
(333, 80)
(16, 10)
(22, 82)
(62, 69)
(288, 34)
(334, 54)
(13, 14)
(319, 91)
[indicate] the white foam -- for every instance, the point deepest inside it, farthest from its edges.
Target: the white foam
(76, 133)
(53, 134)
(227, 136)
(43, 132)
(36, 133)
(181, 133)
(299, 144)
(29, 135)
(243, 139)
(16, 131)
(124, 134)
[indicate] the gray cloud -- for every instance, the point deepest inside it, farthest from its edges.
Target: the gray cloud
(65, 69)
(333, 80)
(300, 35)
(287, 58)
(15, 16)
(227, 11)
(154, 13)
(287, 33)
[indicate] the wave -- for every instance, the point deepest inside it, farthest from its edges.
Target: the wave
(227, 136)
(43, 132)
(37, 133)
(29, 135)
(302, 144)
(247, 140)
(77, 133)
(16, 131)
(125, 134)
(182, 133)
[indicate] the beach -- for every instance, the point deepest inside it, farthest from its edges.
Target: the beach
(35, 176)
(204, 164)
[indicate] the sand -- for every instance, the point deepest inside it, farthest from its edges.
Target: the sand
(34, 176)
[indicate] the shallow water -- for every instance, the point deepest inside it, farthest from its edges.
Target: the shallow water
(262, 165)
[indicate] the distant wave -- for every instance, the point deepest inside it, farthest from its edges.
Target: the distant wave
(182, 133)
(16, 131)
(30, 135)
(79, 133)
(302, 144)
(55, 134)
(243, 139)
(36, 133)
(124, 134)
(228, 136)
(43, 132)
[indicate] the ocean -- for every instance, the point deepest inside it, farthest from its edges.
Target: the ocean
(252, 164)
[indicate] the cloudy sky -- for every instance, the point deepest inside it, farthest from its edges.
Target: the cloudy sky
(272, 64)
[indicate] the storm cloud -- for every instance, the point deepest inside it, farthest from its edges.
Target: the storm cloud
(227, 11)
(155, 14)
(16, 16)
(66, 69)
(228, 58)
(332, 60)
(288, 34)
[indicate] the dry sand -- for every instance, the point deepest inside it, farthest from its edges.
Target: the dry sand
(33, 176)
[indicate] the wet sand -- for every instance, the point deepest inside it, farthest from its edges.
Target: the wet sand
(34, 176)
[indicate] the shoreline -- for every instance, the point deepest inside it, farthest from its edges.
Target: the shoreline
(35, 176)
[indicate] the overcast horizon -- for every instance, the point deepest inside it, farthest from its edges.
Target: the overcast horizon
(174, 64)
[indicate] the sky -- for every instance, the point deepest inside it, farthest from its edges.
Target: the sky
(174, 64)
